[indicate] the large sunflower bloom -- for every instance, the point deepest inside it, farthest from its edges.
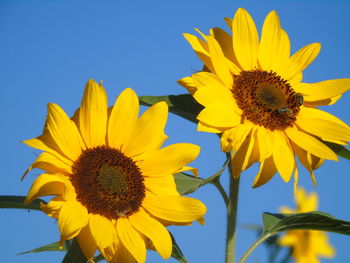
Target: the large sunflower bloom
(112, 182)
(307, 245)
(252, 93)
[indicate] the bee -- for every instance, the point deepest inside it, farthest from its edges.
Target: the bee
(300, 98)
(286, 111)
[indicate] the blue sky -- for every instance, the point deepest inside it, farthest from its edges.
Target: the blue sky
(49, 49)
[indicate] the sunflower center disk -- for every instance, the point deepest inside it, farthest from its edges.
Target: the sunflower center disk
(107, 182)
(266, 99)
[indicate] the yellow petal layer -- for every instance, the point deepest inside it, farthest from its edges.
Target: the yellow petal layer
(103, 230)
(174, 208)
(148, 130)
(274, 48)
(93, 114)
(122, 119)
(87, 243)
(323, 90)
(245, 39)
(45, 184)
(283, 155)
(154, 230)
(301, 60)
(64, 132)
(169, 159)
(131, 239)
(310, 144)
(71, 219)
(266, 172)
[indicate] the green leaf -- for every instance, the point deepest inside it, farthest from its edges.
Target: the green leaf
(50, 247)
(15, 201)
(183, 105)
(177, 253)
(339, 149)
(186, 184)
(74, 254)
(275, 223)
(311, 220)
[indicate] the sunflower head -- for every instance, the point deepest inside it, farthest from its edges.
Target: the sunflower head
(111, 179)
(306, 245)
(253, 95)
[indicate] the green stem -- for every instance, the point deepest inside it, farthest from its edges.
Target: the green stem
(231, 217)
(253, 246)
(222, 192)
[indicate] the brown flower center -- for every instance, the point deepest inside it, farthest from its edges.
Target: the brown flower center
(266, 99)
(107, 182)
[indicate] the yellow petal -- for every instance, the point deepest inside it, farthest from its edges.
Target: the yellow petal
(103, 231)
(188, 83)
(236, 136)
(87, 243)
(169, 159)
(71, 219)
(219, 114)
(264, 139)
(225, 41)
(266, 172)
(174, 208)
(49, 163)
(53, 208)
(323, 125)
(93, 114)
(117, 253)
(131, 239)
(301, 60)
(216, 93)
(47, 144)
(242, 159)
(306, 160)
(148, 130)
(245, 39)
(323, 90)
(123, 118)
(64, 132)
(207, 128)
(310, 144)
(154, 230)
(201, 49)
(274, 48)
(283, 155)
(219, 61)
(164, 185)
(45, 184)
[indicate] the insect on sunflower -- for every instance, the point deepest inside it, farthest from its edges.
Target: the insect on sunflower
(112, 182)
(253, 95)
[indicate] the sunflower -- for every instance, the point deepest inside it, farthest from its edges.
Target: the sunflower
(307, 245)
(253, 94)
(112, 182)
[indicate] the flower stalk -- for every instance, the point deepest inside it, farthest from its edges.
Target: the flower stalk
(231, 217)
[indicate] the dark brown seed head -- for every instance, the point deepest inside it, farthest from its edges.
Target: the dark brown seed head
(107, 182)
(266, 99)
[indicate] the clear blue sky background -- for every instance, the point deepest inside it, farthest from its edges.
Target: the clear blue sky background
(49, 49)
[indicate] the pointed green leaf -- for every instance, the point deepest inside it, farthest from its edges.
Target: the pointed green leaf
(50, 247)
(275, 223)
(339, 149)
(311, 220)
(186, 184)
(15, 201)
(74, 254)
(183, 105)
(177, 253)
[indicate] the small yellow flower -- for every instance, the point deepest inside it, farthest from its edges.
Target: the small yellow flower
(112, 182)
(307, 245)
(252, 93)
